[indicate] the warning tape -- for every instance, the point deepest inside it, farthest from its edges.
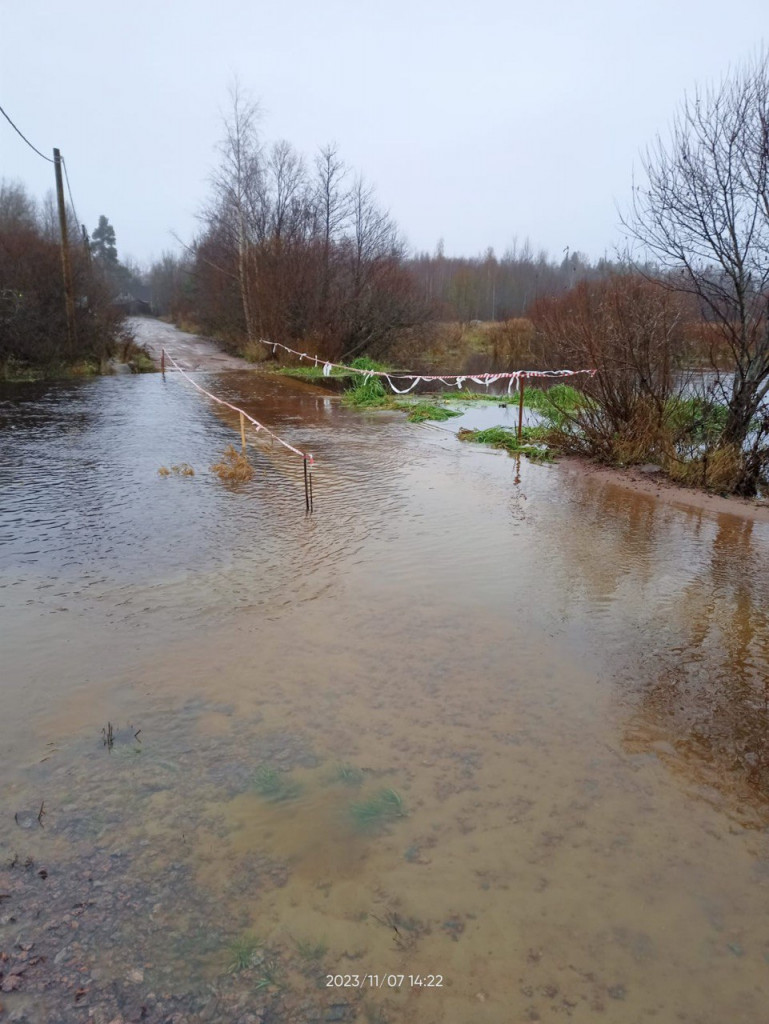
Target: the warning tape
(449, 379)
(259, 426)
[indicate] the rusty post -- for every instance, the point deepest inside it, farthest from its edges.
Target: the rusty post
(243, 432)
(306, 488)
(520, 410)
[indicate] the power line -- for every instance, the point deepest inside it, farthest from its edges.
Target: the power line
(23, 136)
(69, 190)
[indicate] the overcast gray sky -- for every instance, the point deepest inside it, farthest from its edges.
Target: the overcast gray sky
(478, 122)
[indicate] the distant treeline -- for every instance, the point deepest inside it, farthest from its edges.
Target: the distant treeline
(489, 288)
(431, 287)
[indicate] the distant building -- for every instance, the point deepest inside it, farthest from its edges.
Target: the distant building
(134, 302)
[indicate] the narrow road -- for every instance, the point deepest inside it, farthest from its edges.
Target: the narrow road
(190, 351)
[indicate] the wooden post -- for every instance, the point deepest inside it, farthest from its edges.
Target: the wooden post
(243, 432)
(520, 410)
(306, 488)
(66, 268)
(163, 362)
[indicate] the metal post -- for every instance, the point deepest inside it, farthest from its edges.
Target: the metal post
(243, 432)
(520, 410)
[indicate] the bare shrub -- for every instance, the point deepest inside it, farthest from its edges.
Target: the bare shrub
(234, 466)
(629, 329)
(716, 469)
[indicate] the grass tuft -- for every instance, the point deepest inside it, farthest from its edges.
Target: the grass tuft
(183, 469)
(366, 392)
(364, 363)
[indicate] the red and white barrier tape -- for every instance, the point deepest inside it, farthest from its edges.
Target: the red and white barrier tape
(451, 380)
(259, 426)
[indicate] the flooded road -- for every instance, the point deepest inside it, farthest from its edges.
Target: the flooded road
(477, 741)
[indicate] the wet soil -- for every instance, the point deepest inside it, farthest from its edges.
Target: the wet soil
(658, 486)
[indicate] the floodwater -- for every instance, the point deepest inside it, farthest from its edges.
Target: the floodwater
(477, 741)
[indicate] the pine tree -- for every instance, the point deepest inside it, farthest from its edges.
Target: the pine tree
(103, 245)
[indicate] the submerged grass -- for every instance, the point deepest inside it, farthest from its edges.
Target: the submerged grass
(348, 774)
(309, 950)
(313, 373)
(558, 398)
(378, 811)
(233, 467)
(271, 975)
(242, 953)
(16, 371)
(183, 469)
(340, 373)
(274, 786)
(505, 437)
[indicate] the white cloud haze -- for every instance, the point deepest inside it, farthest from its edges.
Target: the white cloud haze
(478, 123)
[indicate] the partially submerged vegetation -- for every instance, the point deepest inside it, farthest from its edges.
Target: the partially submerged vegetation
(233, 467)
(505, 437)
(182, 469)
(418, 412)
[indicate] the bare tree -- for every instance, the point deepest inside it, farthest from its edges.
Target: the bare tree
(287, 181)
(703, 215)
(238, 193)
(332, 208)
(289, 254)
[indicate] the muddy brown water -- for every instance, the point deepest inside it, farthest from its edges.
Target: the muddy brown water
(559, 685)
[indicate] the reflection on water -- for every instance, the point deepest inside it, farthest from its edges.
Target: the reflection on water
(559, 683)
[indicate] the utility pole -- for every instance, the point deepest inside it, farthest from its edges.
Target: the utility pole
(66, 266)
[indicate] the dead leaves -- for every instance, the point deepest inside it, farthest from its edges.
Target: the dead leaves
(13, 968)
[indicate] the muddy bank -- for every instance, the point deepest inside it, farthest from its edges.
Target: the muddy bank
(658, 486)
